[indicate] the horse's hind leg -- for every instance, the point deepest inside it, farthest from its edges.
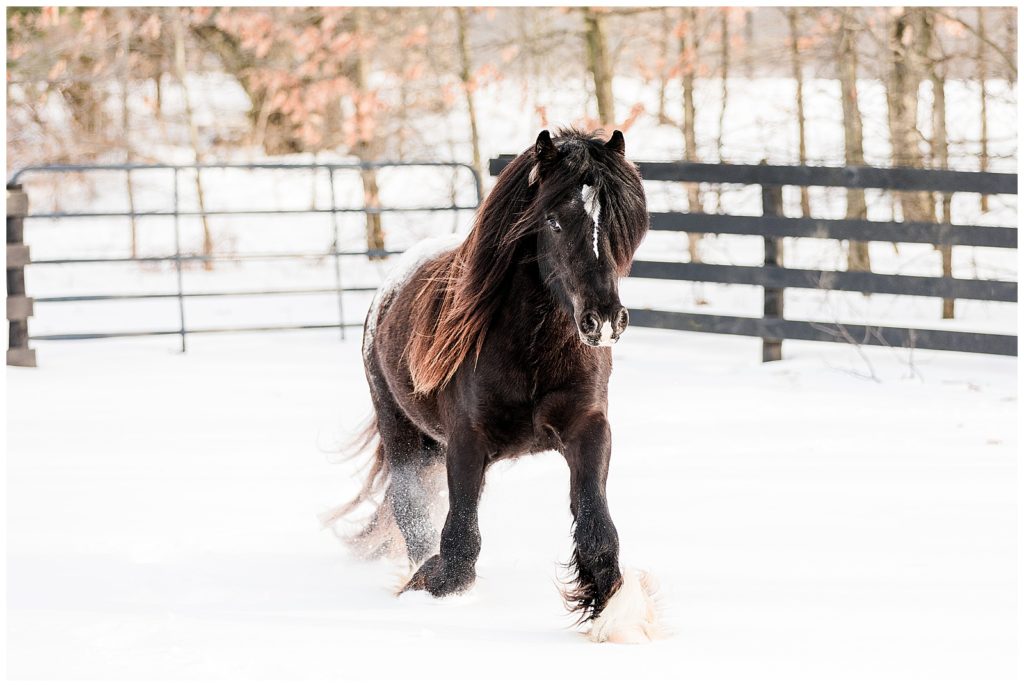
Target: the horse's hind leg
(413, 490)
(453, 569)
(412, 496)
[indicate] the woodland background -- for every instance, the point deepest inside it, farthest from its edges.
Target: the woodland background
(133, 85)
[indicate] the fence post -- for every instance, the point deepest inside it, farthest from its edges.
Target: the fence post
(19, 306)
(336, 249)
(771, 206)
(177, 262)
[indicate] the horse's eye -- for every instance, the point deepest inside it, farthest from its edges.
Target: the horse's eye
(553, 224)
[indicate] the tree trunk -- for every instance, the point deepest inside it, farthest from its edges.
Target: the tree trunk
(466, 75)
(940, 159)
(403, 116)
(748, 40)
(599, 64)
(858, 257)
(1010, 49)
(125, 126)
(689, 44)
(908, 44)
(793, 17)
(193, 133)
(724, 30)
(663, 53)
(982, 67)
(374, 225)
(366, 150)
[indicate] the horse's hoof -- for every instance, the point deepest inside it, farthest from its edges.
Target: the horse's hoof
(439, 579)
(631, 615)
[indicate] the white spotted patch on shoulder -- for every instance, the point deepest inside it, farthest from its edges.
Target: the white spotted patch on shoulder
(400, 273)
(593, 207)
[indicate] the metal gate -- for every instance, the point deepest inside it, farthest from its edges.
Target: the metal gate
(20, 306)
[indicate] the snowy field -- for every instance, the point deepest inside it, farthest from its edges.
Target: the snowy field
(804, 520)
(839, 515)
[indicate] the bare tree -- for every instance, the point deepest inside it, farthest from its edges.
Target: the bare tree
(689, 46)
(909, 38)
(796, 62)
(366, 147)
(124, 57)
(723, 19)
(940, 156)
(748, 41)
(982, 67)
(466, 77)
(664, 51)
(598, 62)
(181, 71)
(271, 127)
(858, 258)
(1008, 57)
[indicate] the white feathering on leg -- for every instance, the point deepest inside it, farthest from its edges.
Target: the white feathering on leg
(631, 615)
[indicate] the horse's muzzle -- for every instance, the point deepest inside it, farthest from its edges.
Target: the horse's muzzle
(596, 330)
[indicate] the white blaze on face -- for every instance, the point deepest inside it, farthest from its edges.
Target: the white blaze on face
(606, 334)
(593, 207)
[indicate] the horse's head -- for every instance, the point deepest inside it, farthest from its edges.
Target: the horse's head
(592, 214)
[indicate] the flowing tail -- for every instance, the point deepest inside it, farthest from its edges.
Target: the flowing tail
(376, 536)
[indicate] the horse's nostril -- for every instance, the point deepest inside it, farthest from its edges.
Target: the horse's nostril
(621, 320)
(589, 324)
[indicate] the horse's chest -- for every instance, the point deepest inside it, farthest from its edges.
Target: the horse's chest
(525, 395)
(509, 429)
(530, 423)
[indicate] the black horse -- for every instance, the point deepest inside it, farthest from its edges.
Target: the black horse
(498, 347)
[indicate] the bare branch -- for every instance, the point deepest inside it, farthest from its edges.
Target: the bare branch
(1010, 62)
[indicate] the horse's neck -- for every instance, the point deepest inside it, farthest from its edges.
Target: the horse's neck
(530, 313)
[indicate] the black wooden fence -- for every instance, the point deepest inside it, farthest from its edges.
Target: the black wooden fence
(772, 327)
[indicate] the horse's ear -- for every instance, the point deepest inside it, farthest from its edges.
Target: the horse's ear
(617, 143)
(544, 148)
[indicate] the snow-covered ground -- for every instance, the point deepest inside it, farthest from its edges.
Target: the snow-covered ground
(804, 520)
(840, 514)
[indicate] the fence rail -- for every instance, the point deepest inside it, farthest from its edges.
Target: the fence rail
(888, 178)
(863, 335)
(771, 225)
(774, 278)
(840, 229)
(20, 307)
(864, 282)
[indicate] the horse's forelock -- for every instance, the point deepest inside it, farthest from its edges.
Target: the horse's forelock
(584, 158)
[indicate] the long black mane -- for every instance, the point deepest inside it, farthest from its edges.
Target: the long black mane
(460, 296)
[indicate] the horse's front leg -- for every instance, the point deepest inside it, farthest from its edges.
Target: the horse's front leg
(453, 570)
(618, 602)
